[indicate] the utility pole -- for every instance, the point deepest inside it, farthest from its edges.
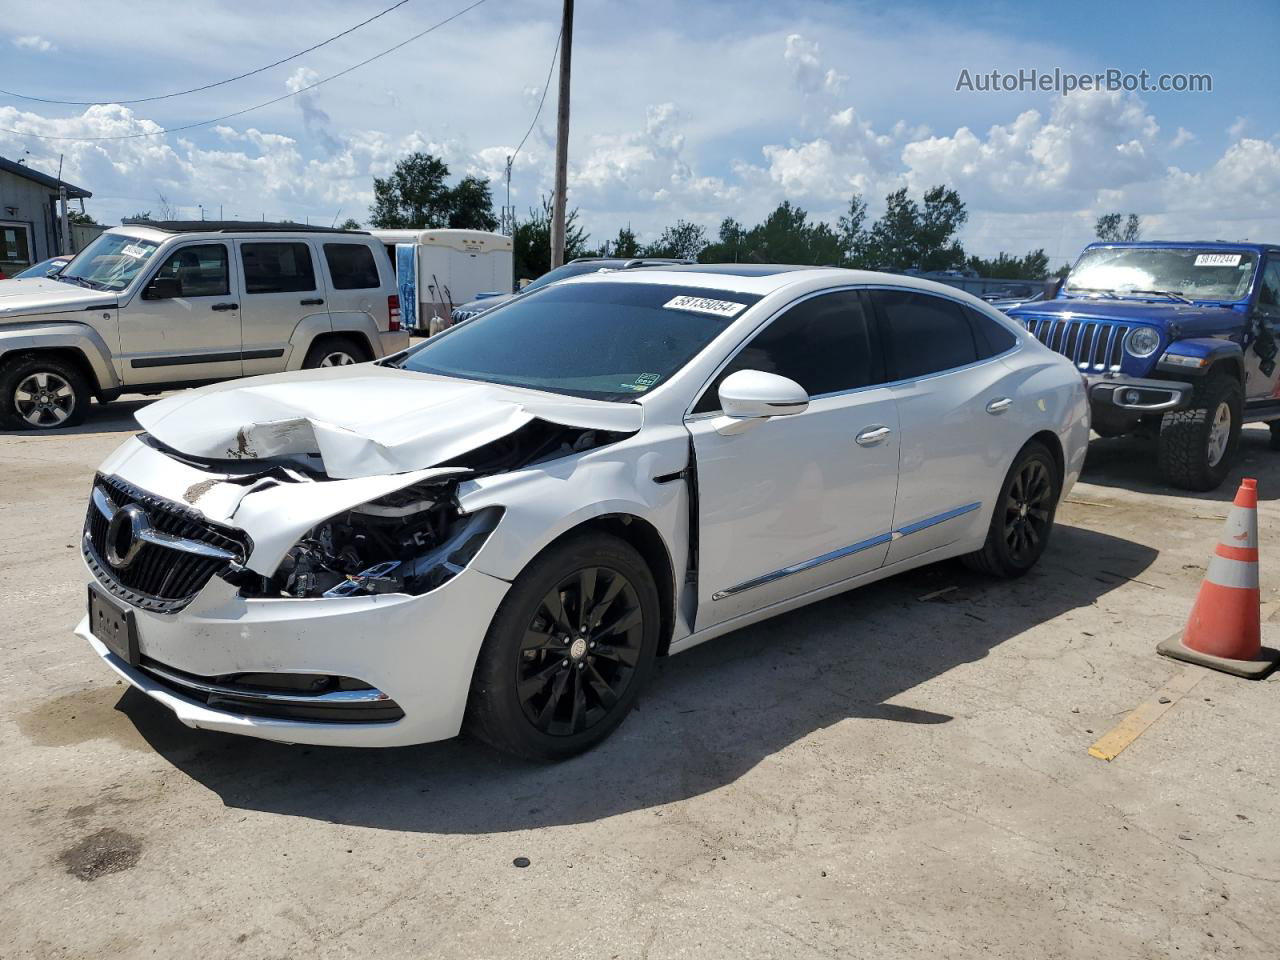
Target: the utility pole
(562, 140)
(64, 224)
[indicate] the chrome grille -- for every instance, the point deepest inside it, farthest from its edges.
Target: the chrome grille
(1096, 346)
(181, 552)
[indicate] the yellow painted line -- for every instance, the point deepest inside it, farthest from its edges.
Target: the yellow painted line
(1145, 714)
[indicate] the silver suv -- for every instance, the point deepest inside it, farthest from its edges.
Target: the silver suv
(153, 306)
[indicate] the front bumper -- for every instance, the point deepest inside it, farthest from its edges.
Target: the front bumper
(1112, 395)
(418, 651)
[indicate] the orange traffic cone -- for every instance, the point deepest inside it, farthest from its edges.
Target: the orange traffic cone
(1223, 631)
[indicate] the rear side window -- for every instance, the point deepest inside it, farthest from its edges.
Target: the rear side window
(823, 344)
(351, 266)
(277, 268)
(993, 337)
(1269, 291)
(924, 334)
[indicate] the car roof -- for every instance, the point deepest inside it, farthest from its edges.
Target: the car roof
(1183, 244)
(234, 226)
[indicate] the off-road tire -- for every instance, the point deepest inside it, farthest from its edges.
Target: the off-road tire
(20, 370)
(999, 557)
(495, 710)
(334, 346)
(1183, 446)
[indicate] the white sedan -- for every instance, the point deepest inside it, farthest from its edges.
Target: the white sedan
(501, 528)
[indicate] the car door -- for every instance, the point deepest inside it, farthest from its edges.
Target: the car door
(951, 392)
(795, 503)
(282, 288)
(184, 325)
(355, 284)
(1262, 379)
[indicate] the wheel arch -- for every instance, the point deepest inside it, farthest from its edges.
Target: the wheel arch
(358, 337)
(70, 355)
(1053, 443)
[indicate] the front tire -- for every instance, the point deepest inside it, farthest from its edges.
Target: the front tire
(1023, 516)
(42, 393)
(568, 651)
(1197, 446)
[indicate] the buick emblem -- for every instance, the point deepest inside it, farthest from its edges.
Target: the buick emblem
(125, 535)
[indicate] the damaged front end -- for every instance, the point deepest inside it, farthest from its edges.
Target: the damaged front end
(410, 541)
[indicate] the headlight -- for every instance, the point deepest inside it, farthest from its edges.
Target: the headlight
(1143, 341)
(411, 541)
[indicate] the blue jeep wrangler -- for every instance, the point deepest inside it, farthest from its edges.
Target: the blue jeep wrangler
(1175, 340)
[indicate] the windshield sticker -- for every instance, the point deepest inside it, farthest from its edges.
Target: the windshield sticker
(1217, 260)
(717, 308)
(134, 251)
(642, 382)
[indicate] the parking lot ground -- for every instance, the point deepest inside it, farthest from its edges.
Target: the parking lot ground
(900, 771)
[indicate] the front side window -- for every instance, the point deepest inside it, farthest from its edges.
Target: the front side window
(109, 263)
(924, 334)
(823, 344)
(1269, 289)
(351, 266)
(199, 270)
(603, 341)
(277, 268)
(1177, 272)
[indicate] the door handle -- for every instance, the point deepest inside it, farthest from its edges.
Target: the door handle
(225, 306)
(313, 302)
(999, 405)
(871, 436)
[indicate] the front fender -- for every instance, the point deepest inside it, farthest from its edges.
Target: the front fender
(64, 335)
(1194, 356)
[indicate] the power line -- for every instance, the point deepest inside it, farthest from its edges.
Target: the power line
(545, 87)
(239, 113)
(207, 86)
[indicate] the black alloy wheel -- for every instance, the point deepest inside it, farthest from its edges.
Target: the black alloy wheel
(1028, 511)
(580, 652)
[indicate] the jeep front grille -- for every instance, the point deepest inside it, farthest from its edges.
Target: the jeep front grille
(169, 550)
(1096, 346)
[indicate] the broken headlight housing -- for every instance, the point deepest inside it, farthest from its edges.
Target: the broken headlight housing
(410, 541)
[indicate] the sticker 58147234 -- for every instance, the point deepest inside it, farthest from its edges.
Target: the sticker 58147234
(717, 308)
(1217, 259)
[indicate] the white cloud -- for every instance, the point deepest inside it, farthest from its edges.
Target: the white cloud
(1181, 138)
(34, 42)
(804, 58)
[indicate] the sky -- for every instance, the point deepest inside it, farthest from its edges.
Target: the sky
(697, 110)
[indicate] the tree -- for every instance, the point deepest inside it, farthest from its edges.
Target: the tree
(351, 223)
(1110, 228)
(624, 245)
(855, 242)
(1033, 266)
(909, 236)
(472, 205)
(532, 241)
(730, 246)
(684, 240)
(414, 195)
(79, 216)
(140, 217)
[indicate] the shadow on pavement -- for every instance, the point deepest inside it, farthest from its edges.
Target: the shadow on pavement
(1129, 463)
(116, 417)
(709, 715)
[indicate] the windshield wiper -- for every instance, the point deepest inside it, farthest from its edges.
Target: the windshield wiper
(1109, 294)
(1171, 294)
(80, 280)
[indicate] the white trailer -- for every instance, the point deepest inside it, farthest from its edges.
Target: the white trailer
(452, 267)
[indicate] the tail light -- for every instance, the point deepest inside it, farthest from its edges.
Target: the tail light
(393, 308)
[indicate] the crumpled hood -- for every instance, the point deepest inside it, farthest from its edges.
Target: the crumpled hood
(363, 420)
(37, 295)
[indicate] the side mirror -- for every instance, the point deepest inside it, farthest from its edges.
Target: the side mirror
(162, 288)
(753, 395)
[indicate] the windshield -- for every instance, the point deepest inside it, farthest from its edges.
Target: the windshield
(110, 262)
(41, 269)
(1196, 274)
(559, 273)
(603, 341)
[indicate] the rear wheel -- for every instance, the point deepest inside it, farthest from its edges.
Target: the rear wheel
(334, 352)
(568, 650)
(1023, 515)
(1197, 446)
(38, 393)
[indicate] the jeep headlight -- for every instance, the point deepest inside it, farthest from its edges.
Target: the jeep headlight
(1142, 341)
